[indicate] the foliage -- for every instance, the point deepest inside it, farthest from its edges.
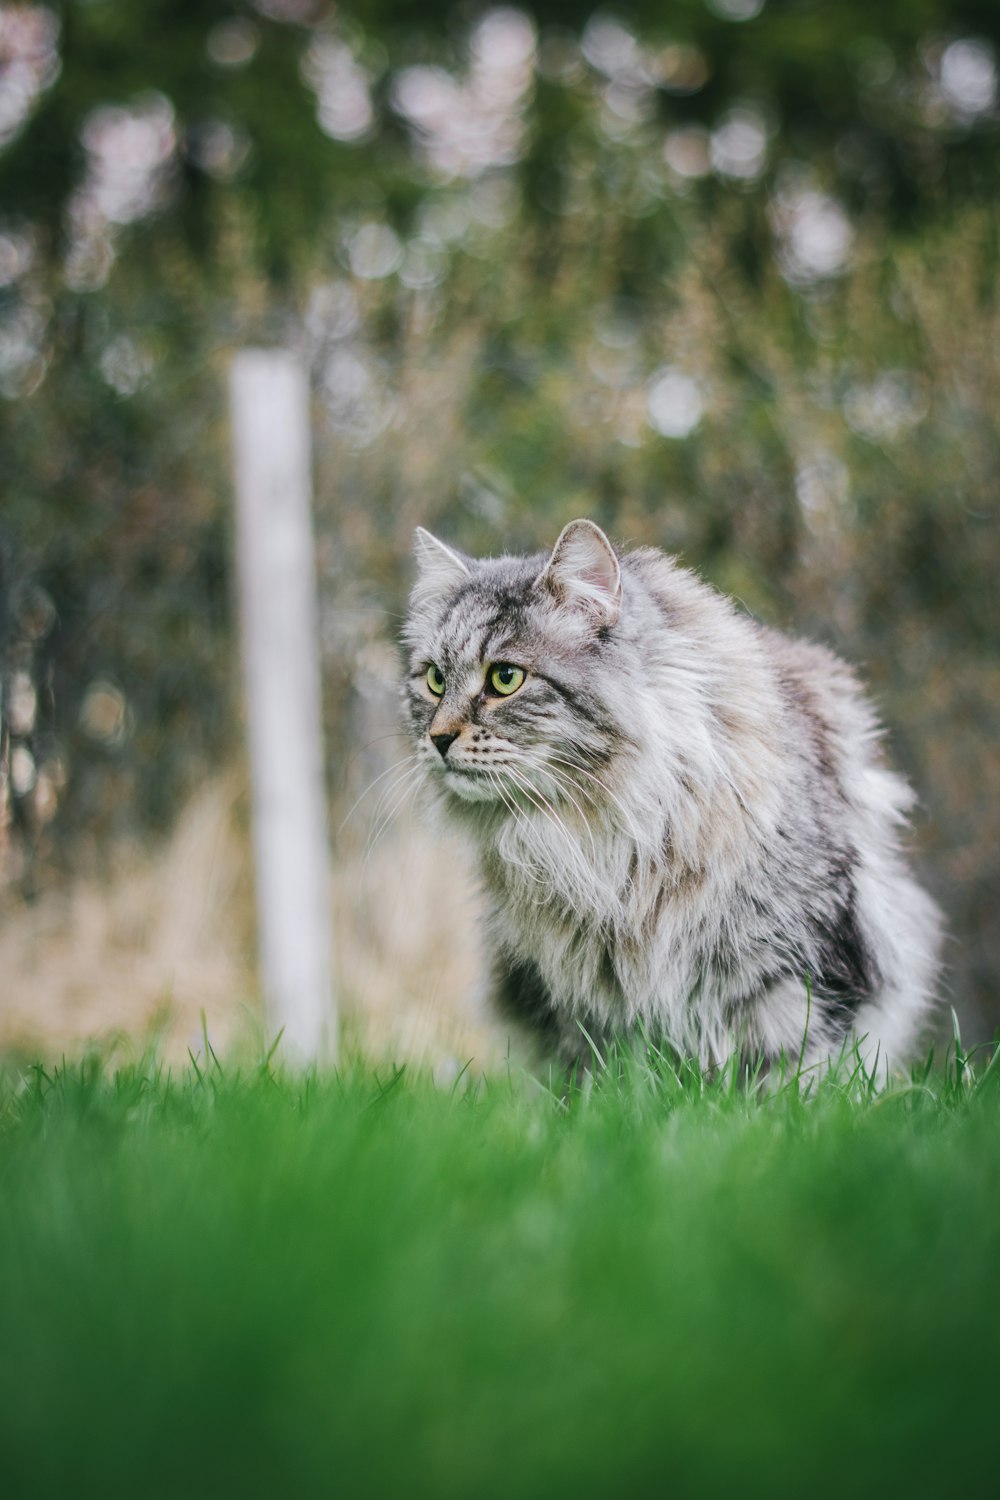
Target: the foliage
(727, 285)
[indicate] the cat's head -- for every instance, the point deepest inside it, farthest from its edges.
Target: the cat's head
(509, 691)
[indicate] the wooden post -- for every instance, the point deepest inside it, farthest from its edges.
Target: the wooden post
(278, 616)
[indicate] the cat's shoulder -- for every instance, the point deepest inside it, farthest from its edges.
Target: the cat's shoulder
(665, 576)
(802, 670)
(681, 597)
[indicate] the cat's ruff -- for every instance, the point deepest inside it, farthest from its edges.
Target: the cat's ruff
(684, 821)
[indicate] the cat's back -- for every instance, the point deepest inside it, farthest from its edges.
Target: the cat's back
(828, 698)
(788, 675)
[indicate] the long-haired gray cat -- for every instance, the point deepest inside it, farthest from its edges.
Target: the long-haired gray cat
(684, 822)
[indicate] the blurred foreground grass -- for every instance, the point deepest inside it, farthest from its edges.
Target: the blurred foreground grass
(218, 1284)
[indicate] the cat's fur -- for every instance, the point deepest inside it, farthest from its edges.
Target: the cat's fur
(683, 820)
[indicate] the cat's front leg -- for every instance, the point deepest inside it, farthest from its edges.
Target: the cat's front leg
(521, 1000)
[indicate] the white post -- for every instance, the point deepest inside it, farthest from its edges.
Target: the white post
(278, 614)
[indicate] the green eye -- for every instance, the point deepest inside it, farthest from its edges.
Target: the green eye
(505, 679)
(435, 680)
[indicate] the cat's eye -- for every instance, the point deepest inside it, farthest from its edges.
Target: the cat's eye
(504, 678)
(435, 680)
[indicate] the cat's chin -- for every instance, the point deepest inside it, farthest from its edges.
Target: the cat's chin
(468, 786)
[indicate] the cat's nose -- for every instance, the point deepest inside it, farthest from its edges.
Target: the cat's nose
(442, 741)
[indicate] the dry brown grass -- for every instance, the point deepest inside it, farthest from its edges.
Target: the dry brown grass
(138, 958)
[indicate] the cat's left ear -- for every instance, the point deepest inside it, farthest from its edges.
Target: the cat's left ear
(583, 572)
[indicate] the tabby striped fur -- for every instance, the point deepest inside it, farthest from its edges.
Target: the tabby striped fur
(684, 821)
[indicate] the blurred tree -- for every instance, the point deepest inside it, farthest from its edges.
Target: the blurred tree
(722, 274)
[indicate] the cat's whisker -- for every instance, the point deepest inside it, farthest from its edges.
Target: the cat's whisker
(387, 822)
(510, 802)
(567, 786)
(628, 823)
(535, 797)
(537, 801)
(388, 792)
(562, 783)
(555, 759)
(574, 852)
(580, 770)
(585, 821)
(518, 816)
(406, 760)
(495, 781)
(393, 800)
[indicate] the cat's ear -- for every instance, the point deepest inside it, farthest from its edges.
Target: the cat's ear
(440, 567)
(583, 572)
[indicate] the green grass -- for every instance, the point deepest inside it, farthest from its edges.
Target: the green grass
(219, 1285)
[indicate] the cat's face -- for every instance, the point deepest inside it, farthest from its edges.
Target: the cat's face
(503, 695)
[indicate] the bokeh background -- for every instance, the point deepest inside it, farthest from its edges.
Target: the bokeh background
(721, 274)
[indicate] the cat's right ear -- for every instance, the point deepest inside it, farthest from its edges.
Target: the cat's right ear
(440, 568)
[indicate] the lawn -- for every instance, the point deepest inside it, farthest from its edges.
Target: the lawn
(227, 1283)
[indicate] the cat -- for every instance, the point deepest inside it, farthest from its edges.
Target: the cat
(684, 824)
